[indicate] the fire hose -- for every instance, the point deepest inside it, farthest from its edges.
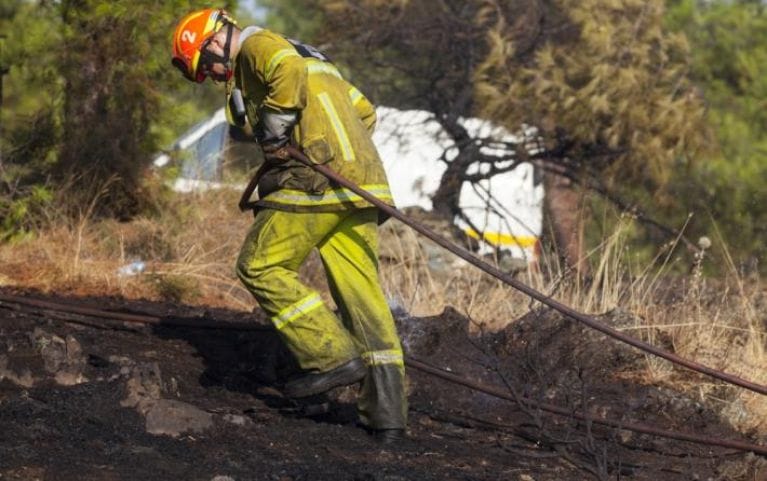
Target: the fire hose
(520, 286)
(448, 376)
(410, 362)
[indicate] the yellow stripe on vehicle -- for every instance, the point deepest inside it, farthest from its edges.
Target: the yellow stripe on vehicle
(293, 312)
(275, 61)
(498, 239)
(338, 127)
(382, 358)
(329, 197)
(316, 67)
(355, 95)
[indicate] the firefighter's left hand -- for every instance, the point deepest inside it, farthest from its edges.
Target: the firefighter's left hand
(276, 154)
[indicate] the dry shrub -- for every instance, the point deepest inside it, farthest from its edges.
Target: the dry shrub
(189, 248)
(717, 322)
(176, 288)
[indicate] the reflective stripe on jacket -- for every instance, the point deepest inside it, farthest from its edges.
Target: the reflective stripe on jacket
(335, 126)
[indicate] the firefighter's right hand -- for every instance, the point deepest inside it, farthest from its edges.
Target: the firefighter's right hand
(276, 152)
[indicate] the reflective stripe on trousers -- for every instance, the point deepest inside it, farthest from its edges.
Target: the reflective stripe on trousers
(302, 307)
(381, 358)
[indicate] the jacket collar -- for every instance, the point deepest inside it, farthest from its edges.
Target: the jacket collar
(247, 32)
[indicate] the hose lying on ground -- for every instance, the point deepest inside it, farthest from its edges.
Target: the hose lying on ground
(529, 291)
(201, 323)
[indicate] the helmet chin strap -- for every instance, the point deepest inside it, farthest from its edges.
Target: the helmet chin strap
(212, 58)
(228, 45)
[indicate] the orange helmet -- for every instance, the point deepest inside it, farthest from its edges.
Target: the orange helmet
(190, 38)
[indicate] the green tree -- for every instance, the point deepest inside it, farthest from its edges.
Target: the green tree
(114, 60)
(607, 88)
(31, 90)
(729, 63)
(300, 19)
(29, 117)
(91, 96)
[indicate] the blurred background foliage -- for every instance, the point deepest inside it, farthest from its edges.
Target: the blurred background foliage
(657, 104)
(88, 98)
(728, 189)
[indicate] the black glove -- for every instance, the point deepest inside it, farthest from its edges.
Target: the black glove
(276, 151)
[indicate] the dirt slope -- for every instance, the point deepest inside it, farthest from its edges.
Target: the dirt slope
(82, 402)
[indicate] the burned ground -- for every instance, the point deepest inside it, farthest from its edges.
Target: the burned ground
(131, 402)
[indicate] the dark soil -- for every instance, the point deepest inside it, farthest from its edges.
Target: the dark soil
(77, 401)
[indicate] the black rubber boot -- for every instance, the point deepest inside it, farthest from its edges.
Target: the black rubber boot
(311, 384)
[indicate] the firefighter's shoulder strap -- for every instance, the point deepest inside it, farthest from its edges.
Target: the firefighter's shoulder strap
(307, 51)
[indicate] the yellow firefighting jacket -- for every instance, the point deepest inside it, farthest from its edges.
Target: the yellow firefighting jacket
(334, 126)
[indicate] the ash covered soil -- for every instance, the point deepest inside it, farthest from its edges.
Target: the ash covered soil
(85, 399)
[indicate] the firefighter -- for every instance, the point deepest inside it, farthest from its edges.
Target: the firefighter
(291, 94)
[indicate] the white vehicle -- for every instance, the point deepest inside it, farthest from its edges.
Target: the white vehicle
(506, 209)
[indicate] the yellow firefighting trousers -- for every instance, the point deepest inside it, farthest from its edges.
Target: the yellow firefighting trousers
(274, 249)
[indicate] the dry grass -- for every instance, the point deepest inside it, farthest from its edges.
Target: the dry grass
(721, 323)
(190, 247)
(187, 250)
